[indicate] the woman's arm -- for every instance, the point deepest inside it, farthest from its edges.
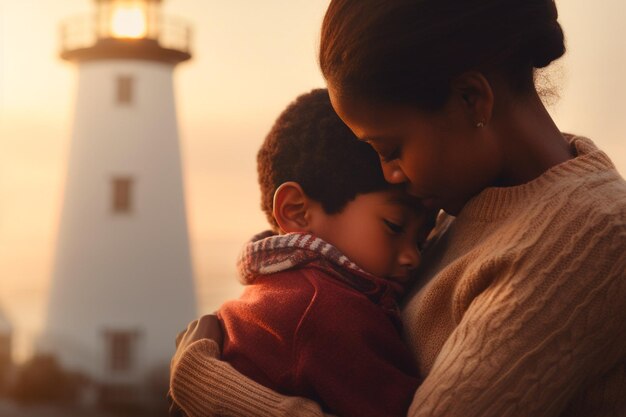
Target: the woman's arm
(205, 386)
(202, 385)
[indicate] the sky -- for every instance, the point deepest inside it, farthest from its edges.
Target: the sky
(250, 59)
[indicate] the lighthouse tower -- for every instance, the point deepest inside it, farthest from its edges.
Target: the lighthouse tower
(122, 285)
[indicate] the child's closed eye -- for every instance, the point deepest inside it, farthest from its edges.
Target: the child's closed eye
(393, 227)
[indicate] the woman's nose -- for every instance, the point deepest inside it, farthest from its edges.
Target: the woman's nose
(393, 173)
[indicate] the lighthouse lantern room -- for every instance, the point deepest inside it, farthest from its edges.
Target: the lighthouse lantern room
(126, 29)
(127, 19)
(122, 284)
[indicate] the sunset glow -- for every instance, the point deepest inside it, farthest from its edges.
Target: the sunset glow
(251, 59)
(128, 22)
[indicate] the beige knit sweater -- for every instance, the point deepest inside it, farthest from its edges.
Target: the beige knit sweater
(523, 312)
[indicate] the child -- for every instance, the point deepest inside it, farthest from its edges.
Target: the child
(318, 316)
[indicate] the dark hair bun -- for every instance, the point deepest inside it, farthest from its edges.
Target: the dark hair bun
(409, 50)
(549, 42)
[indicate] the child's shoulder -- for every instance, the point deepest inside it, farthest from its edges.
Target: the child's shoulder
(306, 287)
(305, 281)
(287, 297)
(321, 294)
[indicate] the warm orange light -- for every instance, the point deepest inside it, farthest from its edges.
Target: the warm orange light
(128, 22)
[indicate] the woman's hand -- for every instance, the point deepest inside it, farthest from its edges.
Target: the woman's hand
(206, 327)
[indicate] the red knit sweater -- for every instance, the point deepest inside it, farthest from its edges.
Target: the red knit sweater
(307, 330)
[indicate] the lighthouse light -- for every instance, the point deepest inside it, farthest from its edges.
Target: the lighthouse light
(129, 21)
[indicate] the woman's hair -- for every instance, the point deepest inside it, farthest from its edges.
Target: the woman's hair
(309, 144)
(408, 51)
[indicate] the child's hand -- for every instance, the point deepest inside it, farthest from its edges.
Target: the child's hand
(206, 327)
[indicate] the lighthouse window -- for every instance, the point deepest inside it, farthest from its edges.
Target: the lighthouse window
(120, 350)
(122, 194)
(125, 89)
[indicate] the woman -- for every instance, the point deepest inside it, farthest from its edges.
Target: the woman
(522, 307)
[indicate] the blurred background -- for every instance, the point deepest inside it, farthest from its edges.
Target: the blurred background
(233, 66)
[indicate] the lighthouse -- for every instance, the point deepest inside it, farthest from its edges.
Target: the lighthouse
(122, 284)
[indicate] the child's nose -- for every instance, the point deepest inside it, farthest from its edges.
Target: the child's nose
(410, 257)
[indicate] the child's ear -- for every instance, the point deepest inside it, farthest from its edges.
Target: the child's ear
(291, 208)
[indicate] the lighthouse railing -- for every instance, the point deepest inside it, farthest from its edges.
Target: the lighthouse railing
(82, 32)
(78, 33)
(175, 33)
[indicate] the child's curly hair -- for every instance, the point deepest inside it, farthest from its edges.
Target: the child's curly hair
(309, 144)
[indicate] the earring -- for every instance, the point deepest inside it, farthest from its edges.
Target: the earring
(480, 124)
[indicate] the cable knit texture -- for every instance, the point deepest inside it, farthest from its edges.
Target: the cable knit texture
(522, 310)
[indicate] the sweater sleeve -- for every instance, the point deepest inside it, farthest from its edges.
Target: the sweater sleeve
(204, 386)
(526, 345)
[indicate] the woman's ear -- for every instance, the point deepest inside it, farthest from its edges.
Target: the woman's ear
(291, 208)
(476, 95)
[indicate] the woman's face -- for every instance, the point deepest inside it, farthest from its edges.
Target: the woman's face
(444, 158)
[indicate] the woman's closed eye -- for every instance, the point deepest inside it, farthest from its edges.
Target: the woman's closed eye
(389, 156)
(385, 156)
(393, 227)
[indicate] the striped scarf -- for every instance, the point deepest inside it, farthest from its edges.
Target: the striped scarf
(268, 253)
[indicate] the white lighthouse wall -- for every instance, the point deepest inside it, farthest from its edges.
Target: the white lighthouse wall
(121, 271)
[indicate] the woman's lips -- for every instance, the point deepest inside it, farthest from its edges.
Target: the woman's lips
(429, 202)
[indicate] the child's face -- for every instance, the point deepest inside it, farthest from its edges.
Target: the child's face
(380, 232)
